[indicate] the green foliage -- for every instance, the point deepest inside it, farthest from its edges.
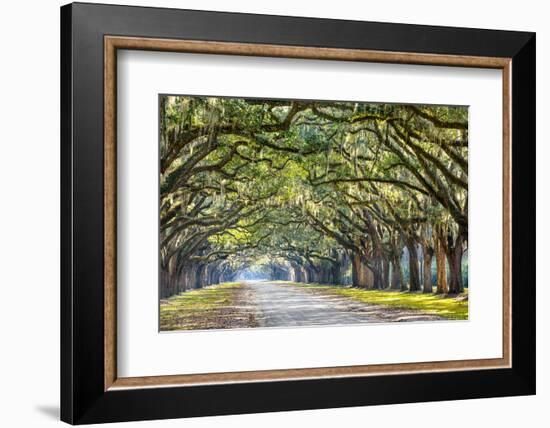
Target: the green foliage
(305, 182)
(455, 308)
(210, 307)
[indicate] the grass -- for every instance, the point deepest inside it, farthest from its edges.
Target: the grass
(199, 309)
(225, 305)
(450, 307)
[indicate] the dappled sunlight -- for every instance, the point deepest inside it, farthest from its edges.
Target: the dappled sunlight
(288, 304)
(451, 307)
(265, 201)
(219, 306)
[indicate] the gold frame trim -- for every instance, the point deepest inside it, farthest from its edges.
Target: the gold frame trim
(113, 43)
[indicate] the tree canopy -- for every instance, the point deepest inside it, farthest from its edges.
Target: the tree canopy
(313, 191)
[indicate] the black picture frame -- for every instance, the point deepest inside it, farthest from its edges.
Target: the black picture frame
(83, 398)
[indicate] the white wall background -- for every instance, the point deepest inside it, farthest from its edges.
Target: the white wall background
(29, 214)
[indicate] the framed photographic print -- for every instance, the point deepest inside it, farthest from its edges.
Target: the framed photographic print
(266, 213)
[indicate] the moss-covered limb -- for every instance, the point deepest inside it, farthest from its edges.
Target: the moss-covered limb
(217, 307)
(450, 307)
(326, 192)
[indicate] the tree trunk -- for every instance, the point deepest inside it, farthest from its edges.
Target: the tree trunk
(292, 274)
(197, 283)
(378, 275)
(336, 273)
(215, 276)
(182, 278)
(299, 274)
(208, 274)
(455, 271)
(441, 268)
(454, 258)
(414, 277)
(427, 283)
(192, 276)
(397, 282)
(303, 274)
(345, 263)
(171, 287)
(361, 275)
(385, 273)
(164, 283)
(312, 277)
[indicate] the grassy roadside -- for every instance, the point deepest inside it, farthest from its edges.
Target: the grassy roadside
(455, 307)
(215, 307)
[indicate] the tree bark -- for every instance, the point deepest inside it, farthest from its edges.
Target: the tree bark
(299, 274)
(336, 274)
(385, 273)
(361, 274)
(197, 276)
(345, 263)
(427, 280)
(164, 283)
(414, 277)
(397, 282)
(312, 276)
(172, 275)
(378, 275)
(454, 258)
(441, 267)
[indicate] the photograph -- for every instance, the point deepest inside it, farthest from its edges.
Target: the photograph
(268, 211)
(296, 213)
